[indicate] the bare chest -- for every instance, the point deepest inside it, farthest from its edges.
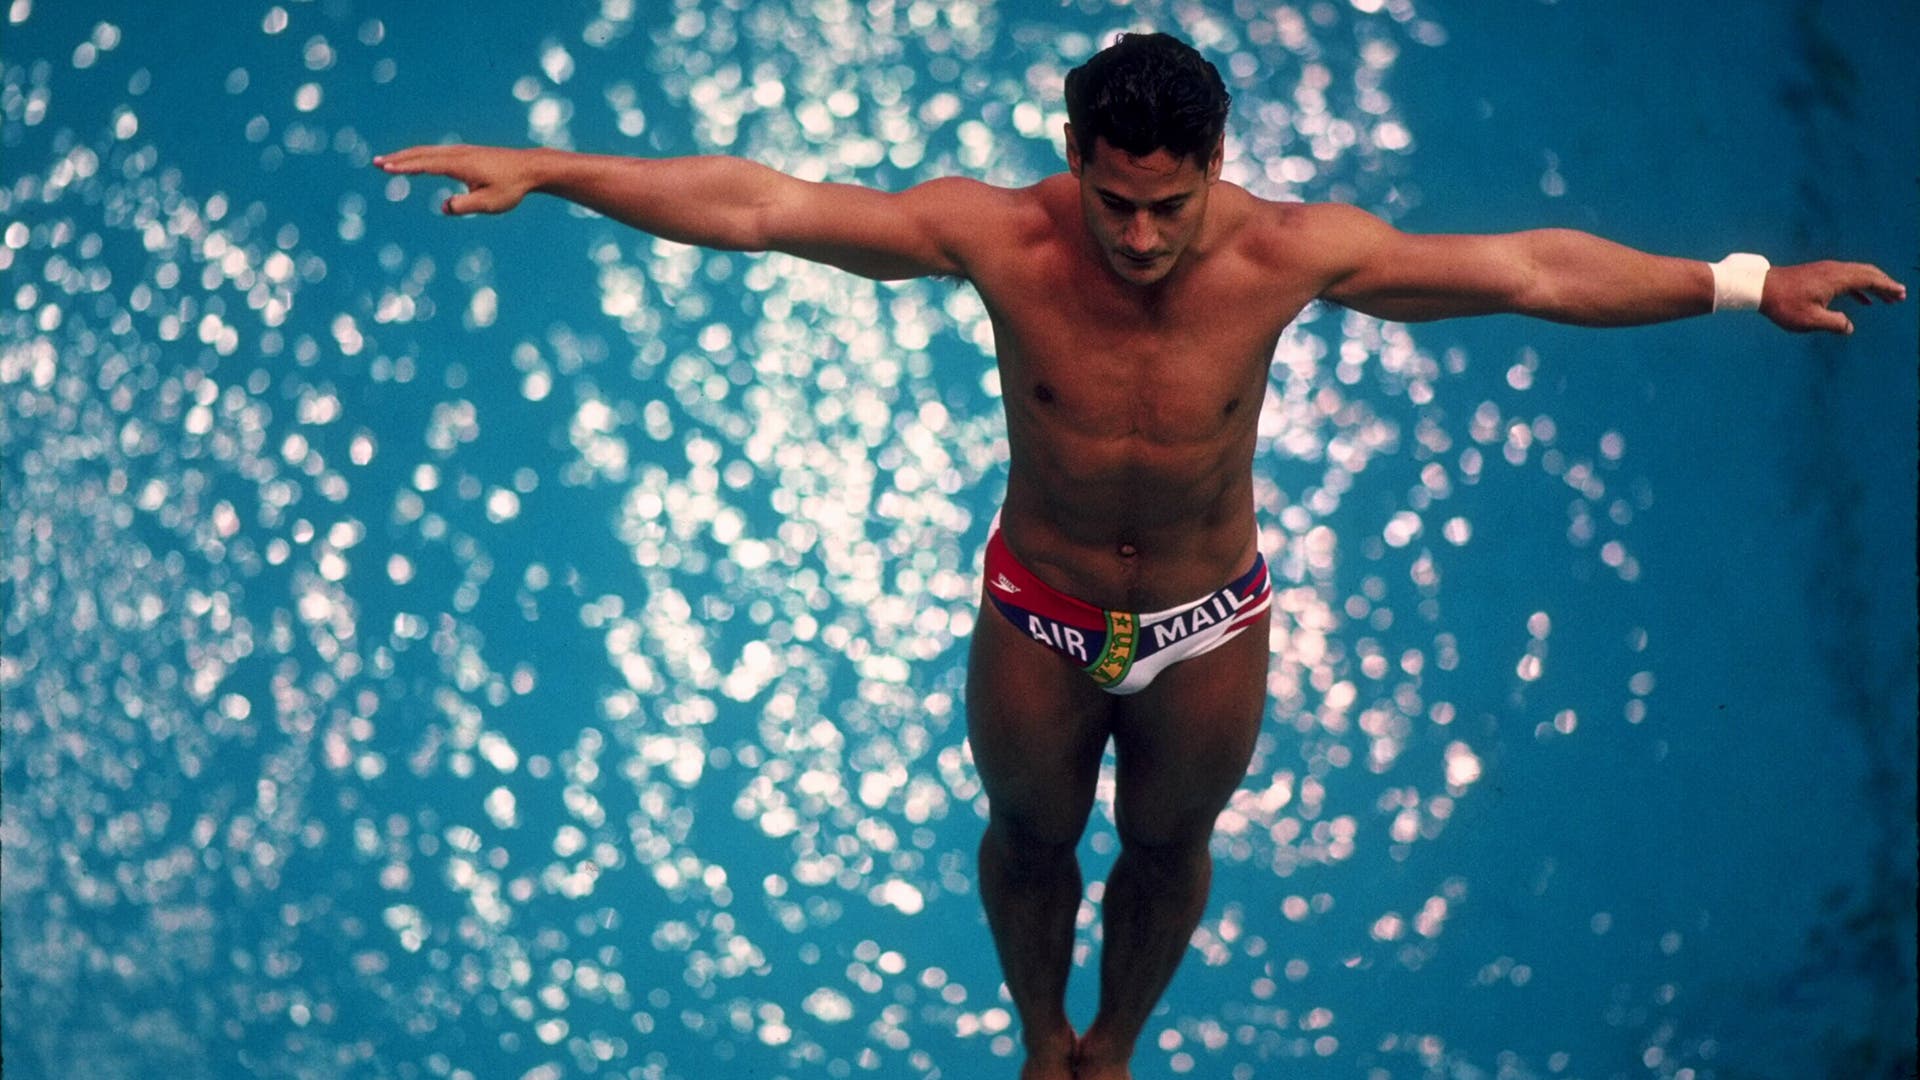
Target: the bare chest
(1190, 371)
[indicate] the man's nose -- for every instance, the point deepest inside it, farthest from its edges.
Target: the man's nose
(1139, 234)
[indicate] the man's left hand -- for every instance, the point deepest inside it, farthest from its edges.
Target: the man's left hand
(1796, 297)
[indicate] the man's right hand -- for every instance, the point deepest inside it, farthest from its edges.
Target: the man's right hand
(497, 178)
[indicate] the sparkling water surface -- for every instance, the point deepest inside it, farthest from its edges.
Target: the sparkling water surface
(524, 648)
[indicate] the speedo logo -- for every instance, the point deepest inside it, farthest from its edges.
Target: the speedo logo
(1005, 584)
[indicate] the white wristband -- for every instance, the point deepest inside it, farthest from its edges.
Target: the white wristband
(1738, 281)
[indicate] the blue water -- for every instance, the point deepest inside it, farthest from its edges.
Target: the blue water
(516, 648)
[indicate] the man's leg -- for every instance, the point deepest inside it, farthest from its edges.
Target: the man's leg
(1182, 746)
(1038, 728)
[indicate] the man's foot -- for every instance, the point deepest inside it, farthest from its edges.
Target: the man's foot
(1094, 1059)
(1050, 1058)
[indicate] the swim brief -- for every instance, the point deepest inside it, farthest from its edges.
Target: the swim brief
(1122, 651)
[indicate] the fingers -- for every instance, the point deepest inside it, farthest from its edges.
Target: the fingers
(402, 161)
(415, 160)
(1865, 281)
(472, 202)
(419, 159)
(1885, 287)
(1818, 320)
(1829, 281)
(461, 205)
(456, 162)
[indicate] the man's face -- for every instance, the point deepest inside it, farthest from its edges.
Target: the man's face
(1143, 212)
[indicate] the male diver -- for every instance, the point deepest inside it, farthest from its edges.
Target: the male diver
(1136, 302)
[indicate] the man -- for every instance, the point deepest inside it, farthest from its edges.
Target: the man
(1136, 303)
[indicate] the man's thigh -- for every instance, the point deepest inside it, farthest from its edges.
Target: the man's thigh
(1038, 727)
(1183, 743)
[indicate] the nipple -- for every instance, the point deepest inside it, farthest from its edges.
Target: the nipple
(1128, 551)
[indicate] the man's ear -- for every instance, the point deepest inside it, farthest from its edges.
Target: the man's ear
(1073, 152)
(1217, 159)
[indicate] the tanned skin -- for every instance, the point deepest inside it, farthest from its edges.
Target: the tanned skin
(1136, 303)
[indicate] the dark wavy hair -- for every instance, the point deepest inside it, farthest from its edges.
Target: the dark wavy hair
(1148, 92)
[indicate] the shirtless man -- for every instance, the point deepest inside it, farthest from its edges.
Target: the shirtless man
(1136, 302)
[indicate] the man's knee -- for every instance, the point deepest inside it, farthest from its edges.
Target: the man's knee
(1172, 858)
(1169, 838)
(1027, 843)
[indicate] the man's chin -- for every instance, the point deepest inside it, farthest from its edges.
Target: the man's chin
(1138, 272)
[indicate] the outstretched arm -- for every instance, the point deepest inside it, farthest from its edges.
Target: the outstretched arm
(719, 202)
(1562, 275)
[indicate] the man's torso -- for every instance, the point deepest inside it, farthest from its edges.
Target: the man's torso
(1132, 414)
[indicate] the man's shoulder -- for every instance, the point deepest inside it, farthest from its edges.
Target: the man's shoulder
(1280, 232)
(990, 218)
(966, 193)
(1293, 219)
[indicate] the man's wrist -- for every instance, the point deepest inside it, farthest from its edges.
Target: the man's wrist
(546, 168)
(1738, 281)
